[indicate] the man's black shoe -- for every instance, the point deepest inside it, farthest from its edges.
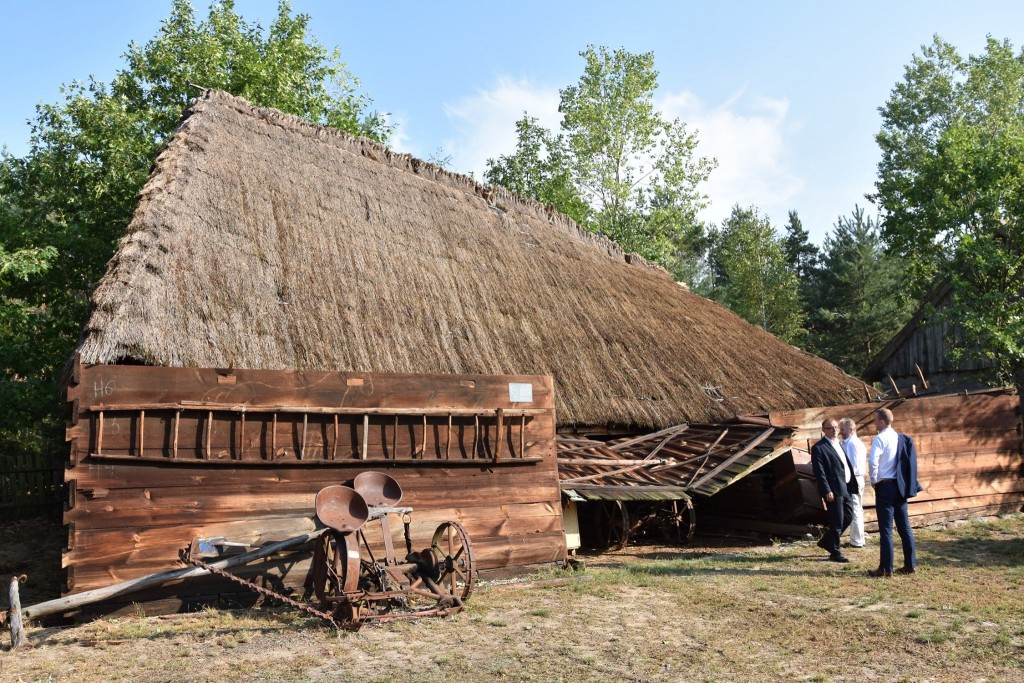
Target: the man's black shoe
(879, 573)
(838, 557)
(906, 570)
(821, 543)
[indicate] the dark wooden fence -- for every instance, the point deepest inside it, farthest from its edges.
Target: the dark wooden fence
(31, 485)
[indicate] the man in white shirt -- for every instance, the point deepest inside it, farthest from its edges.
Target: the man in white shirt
(892, 488)
(856, 454)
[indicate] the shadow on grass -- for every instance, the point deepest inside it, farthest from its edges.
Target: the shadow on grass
(738, 565)
(972, 552)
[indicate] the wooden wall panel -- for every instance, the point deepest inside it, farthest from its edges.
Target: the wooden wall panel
(154, 477)
(970, 450)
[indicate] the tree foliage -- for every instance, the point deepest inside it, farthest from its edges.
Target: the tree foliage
(617, 166)
(66, 203)
(951, 185)
(862, 300)
(753, 277)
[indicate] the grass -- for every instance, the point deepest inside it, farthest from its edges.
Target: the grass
(774, 612)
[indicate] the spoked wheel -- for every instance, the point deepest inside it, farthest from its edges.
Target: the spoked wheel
(454, 557)
(678, 522)
(336, 572)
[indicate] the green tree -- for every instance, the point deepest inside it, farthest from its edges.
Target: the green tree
(862, 301)
(540, 169)
(617, 163)
(753, 278)
(66, 203)
(801, 254)
(951, 186)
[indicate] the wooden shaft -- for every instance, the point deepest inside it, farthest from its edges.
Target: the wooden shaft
(273, 438)
(241, 439)
(99, 435)
(142, 431)
(73, 602)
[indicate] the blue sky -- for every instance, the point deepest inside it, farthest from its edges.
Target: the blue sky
(784, 94)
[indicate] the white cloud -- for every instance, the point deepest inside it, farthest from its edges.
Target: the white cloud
(747, 136)
(485, 122)
(745, 133)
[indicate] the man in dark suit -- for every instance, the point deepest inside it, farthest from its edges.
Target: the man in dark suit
(835, 484)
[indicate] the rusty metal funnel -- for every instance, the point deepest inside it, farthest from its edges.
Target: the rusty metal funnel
(378, 489)
(341, 508)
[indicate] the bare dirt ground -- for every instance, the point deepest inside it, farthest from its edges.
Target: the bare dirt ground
(714, 611)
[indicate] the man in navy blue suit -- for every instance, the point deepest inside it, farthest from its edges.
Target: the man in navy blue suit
(835, 484)
(892, 465)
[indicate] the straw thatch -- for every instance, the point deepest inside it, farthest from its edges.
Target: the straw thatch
(262, 241)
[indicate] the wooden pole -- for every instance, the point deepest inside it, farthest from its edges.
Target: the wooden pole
(14, 616)
(73, 602)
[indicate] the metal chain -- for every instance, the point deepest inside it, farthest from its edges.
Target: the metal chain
(266, 592)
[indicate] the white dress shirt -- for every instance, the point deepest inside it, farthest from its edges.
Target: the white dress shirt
(838, 447)
(882, 460)
(857, 454)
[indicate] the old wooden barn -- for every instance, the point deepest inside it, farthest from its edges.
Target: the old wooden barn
(264, 244)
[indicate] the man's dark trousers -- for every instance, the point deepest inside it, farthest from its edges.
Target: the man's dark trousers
(889, 504)
(840, 514)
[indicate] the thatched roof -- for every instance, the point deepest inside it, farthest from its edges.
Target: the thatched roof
(262, 241)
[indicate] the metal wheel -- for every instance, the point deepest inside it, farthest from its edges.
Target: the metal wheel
(336, 573)
(454, 557)
(678, 522)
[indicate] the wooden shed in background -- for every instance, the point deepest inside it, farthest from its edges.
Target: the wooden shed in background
(262, 242)
(919, 358)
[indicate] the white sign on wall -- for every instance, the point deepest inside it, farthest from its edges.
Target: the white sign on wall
(520, 392)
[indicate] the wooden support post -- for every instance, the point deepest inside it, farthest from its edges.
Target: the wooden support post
(476, 434)
(366, 435)
(99, 436)
(448, 443)
(499, 435)
(302, 446)
(334, 449)
(209, 432)
(174, 446)
(394, 440)
(273, 437)
(14, 614)
(142, 432)
(522, 436)
(241, 439)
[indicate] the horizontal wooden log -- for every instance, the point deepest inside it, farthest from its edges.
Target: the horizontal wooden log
(124, 545)
(955, 514)
(166, 506)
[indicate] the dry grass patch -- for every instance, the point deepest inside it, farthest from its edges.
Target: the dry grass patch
(768, 613)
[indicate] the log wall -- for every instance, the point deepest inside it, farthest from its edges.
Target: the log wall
(161, 455)
(969, 447)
